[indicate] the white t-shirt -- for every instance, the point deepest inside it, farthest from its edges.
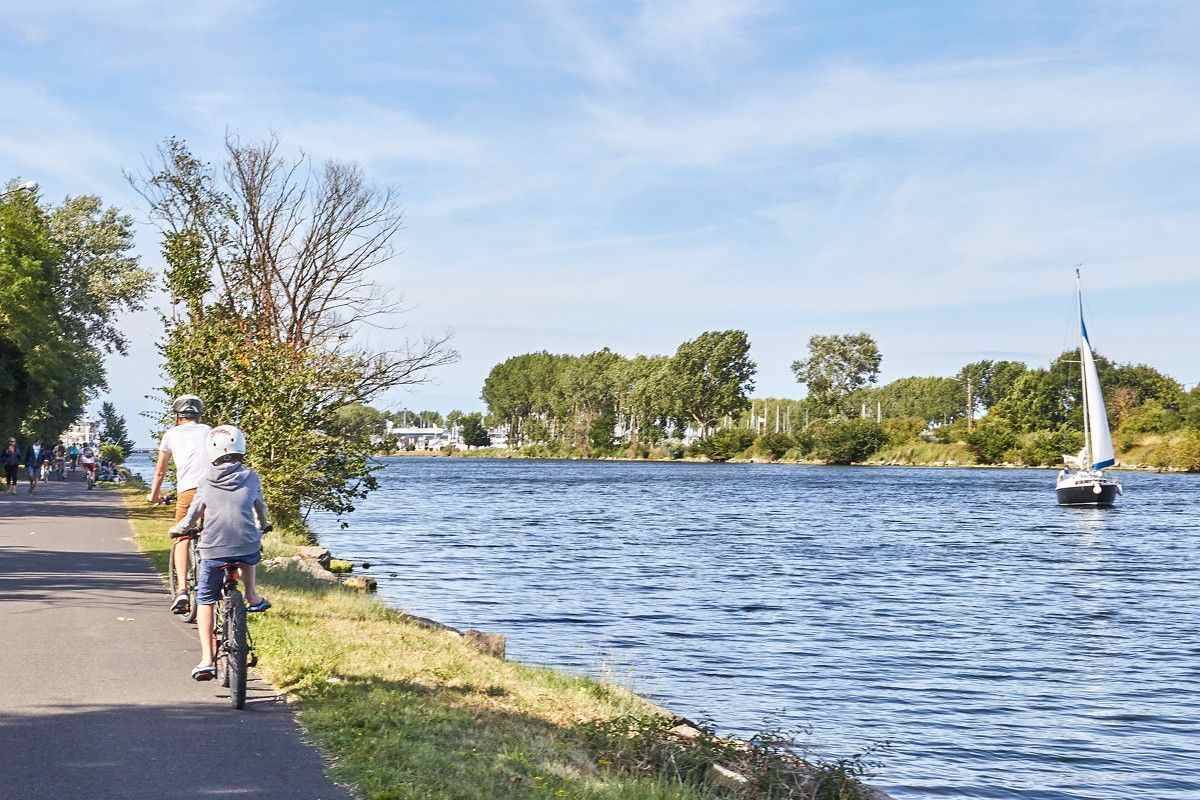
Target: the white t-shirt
(186, 444)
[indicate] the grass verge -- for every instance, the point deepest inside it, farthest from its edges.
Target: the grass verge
(404, 712)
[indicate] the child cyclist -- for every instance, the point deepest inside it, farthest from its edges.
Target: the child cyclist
(229, 501)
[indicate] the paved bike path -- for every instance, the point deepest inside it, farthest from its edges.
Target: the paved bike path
(96, 699)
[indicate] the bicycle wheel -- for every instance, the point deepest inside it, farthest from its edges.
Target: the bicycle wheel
(192, 578)
(236, 647)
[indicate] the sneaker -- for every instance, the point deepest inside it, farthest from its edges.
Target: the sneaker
(204, 672)
(181, 604)
(262, 605)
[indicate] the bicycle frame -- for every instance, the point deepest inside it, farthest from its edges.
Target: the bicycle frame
(229, 613)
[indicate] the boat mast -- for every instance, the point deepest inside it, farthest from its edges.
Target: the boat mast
(1087, 439)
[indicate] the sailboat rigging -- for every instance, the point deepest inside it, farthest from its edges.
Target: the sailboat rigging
(1083, 482)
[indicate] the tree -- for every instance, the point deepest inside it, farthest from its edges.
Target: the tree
(711, 377)
(474, 432)
(932, 399)
(65, 274)
(113, 429)
(836, 366)
(847, 441)
(269, 266)
(990, 381)
(991, 439)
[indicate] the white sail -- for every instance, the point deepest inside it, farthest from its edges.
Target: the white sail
(1099, 439)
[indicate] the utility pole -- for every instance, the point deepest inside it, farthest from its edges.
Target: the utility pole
(970, 407)
(878, 412)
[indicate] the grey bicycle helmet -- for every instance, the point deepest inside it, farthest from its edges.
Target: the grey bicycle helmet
(188, 406)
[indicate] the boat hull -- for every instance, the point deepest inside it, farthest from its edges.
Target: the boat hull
(1086, 495)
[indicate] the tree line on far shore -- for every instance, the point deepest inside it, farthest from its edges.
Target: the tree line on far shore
(606, 404)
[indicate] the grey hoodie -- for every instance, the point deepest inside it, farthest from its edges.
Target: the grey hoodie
(229, 498)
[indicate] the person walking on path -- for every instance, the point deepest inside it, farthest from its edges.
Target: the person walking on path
(185, 444)
(35, 454)
(10, 459)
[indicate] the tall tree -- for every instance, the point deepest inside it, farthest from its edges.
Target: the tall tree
(836, 366)
(65, 274)
(114, 430)
(271, 267)
(474, 432)
(711, 377)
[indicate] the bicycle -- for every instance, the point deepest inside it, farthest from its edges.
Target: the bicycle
(190, 579)
(234, 649)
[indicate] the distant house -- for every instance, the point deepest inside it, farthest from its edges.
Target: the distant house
(415, 438)
(83, 432)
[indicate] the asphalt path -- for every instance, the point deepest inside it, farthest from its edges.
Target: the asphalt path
(96, 698)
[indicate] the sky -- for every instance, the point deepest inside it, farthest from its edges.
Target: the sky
(629, 175)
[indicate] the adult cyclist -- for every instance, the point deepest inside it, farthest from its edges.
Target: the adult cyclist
(87, 460)
(74, 455)
(185, 445)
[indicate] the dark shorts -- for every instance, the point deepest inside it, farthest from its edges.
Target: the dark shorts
(209, 576)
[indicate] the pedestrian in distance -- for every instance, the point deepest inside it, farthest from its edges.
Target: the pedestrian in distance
(35, 456)
(10, 459)
(230, 503)
(185, 445)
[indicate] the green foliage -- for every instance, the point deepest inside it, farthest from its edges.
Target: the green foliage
(65, 276)
(1149, 417)
(1185, 454)
(114, 431)
(474, 432)
(1047, 448)
(110, 451)
(846, 441)
(265, 335)
(725, 444)
(580, 401)
(773, 445)
(991, 439)
(931, 399)
(712, 376)
(647, 745)
(837, 366)
(990, 381)
(902, 430)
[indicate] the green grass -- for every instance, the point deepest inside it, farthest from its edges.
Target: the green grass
(925, 453)
(404, 712)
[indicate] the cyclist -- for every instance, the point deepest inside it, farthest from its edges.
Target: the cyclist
(87, 460)
(60, 456)
(74, 455)
(185, 444)
(229, 501)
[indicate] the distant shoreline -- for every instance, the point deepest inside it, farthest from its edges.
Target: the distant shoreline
(517, 456)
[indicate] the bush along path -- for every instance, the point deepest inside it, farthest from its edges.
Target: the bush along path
(97, 699)
(406, 708)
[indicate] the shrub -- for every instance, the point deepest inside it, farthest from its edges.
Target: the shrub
(991, 439)
(1185, 454)
(773, 445)
(846, 441)
(1149, 417)
(110, 451)
(1046, 448)
(725, 444)
(902, 430)
(949, 434)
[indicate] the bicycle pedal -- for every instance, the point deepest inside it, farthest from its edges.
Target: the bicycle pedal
(252, 659)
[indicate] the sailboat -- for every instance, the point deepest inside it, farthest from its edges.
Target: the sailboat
(1083, 482)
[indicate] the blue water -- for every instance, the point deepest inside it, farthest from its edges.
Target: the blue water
(1003, 646)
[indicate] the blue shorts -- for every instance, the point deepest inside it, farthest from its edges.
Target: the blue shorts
(209, 576)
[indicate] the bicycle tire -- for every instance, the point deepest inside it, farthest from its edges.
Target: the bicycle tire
(193, 584)
(236, 647)
(221, 623)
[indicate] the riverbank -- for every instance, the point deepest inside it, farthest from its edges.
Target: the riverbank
(404, 711)
(1150, 454)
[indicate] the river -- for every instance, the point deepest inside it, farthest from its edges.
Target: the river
(1002, 646)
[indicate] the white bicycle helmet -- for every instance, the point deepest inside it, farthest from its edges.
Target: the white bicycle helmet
(225, 440)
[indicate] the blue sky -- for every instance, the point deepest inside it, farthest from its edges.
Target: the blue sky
(578, 175)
